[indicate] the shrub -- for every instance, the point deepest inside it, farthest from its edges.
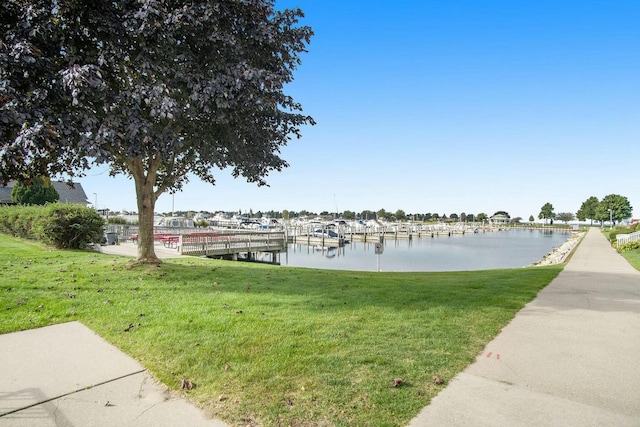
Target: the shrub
(24, 220)
(628, 247)
(201, 223)
(117, 220)
(17, 220)
(61, 225)
(619, 230)
(69, 226)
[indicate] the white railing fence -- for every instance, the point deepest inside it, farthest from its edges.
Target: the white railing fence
(626, 238)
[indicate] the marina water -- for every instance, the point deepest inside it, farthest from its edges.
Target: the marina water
(509, 248)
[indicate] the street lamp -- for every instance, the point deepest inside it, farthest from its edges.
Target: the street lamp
(610, 219)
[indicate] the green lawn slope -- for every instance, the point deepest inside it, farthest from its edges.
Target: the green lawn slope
(269, 345)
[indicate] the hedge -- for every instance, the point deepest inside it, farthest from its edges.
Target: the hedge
(64, 226)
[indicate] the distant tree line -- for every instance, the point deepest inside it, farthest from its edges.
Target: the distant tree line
(398, 215)
(613, 208)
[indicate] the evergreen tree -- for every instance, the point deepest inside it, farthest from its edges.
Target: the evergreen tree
(37, 191)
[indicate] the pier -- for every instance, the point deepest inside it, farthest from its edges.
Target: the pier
(336, 242)
(314, 234)
(233, 244)
(345, 234)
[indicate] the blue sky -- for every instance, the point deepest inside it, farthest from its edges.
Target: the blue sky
(448, 107)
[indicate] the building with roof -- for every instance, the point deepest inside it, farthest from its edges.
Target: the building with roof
(500, 218)
(68, 194)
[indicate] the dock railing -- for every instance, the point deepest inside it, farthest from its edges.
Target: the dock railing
(231, 243)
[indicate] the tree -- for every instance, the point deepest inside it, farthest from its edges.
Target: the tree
(471, 217)
(481, 216)
(463, 217)
(400, 215)
(38, 191)
(349, 215)
(613, 207)
(381, 214)
(546, 212)
(565, 217)
(454, 216)
(588, 209)
(367, 214)
(531, 218)
(158, 90)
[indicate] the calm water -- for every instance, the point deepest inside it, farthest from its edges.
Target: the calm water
(482, 251)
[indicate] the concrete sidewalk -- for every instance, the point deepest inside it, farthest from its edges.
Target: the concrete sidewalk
(131, 249)
(66, 375)
(571, 357)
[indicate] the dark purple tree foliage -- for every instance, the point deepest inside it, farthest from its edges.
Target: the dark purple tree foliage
(156, 89)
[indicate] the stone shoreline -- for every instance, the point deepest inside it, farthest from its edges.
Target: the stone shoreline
(560, 253)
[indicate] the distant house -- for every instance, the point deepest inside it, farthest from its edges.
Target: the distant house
(75, 195)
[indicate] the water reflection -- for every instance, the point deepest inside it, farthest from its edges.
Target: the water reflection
(481, 251)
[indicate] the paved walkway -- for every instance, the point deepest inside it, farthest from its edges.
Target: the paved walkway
(65, 375)
(571, 357)
(131, 249)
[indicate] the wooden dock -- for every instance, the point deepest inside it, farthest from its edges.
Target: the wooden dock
(379, 236)
(233, 244)
(319, 241)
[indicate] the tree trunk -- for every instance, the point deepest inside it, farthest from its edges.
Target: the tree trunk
(146, 205)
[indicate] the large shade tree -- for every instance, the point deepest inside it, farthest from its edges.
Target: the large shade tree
(156, 89)
(588, 209)
(613, 207)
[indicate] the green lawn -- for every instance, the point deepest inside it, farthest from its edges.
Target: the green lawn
(269, 345)
(633, 257)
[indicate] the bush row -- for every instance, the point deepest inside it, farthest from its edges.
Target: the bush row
(622, 230)
(61, 225)
(628, 247)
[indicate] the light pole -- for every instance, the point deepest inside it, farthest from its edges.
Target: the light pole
(610, 219)
(95, 204)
